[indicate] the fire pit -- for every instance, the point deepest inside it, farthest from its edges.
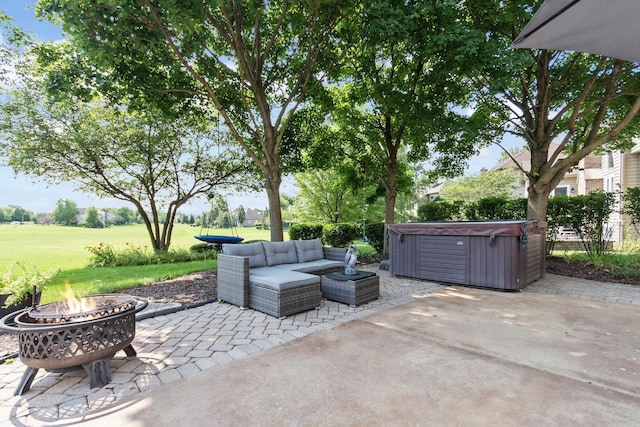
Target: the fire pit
(61, 335)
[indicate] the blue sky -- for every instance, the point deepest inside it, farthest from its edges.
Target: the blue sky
(38, 197)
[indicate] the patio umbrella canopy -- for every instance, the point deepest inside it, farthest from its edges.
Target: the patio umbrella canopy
(604, 27)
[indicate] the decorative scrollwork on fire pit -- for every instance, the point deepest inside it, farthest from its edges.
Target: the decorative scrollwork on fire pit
(74, 344)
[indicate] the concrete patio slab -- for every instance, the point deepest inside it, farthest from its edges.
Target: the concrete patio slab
(454, 357)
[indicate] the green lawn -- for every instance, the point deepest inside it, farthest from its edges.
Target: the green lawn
(51, 247)
(55, 246)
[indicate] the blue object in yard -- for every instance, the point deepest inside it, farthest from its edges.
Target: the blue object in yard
(210, 238)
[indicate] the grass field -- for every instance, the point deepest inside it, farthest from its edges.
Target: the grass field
(52, 247)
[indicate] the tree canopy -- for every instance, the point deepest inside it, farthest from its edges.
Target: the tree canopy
(486, 183)
(407, 82)
(393, 102)
(580, 101)
(65, 212)
(325, 196)
(156, 163)
(253, 63)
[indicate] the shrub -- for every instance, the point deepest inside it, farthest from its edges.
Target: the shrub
(558, 215)
(305, 231)
(588, 215)
(340, 235)
(102, 255)
(515, 208)
(441, 210)
(206, 247)
(486, 209)
(105, 256)
(376, 235)
(19, 282)
(631, 203)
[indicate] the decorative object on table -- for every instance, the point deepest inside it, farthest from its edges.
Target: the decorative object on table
(350, 260)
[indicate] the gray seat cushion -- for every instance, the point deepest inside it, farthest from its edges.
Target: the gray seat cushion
(255, 252)
(309, 250)
(280, 279)
(311, 266)
(280, 252)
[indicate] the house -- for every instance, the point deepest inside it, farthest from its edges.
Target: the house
(432, 193)
(81, 215)
(105, 216)
(581, 180)
(620, 171)
(427, 194)
(252, 218)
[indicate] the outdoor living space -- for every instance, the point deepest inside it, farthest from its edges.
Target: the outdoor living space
(423, 353)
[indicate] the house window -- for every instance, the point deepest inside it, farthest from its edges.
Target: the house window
(561, 191)
(609, 161)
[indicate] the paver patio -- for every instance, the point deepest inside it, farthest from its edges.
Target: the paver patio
(179, 345)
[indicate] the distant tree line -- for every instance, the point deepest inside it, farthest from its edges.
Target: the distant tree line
(66, 212)
(15, 213)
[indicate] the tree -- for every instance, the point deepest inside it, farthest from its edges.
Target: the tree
(224, 220)
(124, 216)
(145, 158)
(20, 214)
(241, 215)
(65, 212)
(326, 196)
(255, 62)
(580, 101)
(287, 202)
(92, 220)
(395, 102)
(323, 196)
(486, 183)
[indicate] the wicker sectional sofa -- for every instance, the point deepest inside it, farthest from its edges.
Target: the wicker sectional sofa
(277, 278)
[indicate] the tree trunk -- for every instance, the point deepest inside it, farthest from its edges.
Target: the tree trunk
(391, 191)
(537, 203)
(272, 186)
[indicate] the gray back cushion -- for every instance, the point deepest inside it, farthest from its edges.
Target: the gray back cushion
(254, 251)
(309, 250)
(280, 252)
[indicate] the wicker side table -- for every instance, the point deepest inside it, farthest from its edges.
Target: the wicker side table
(362, 288)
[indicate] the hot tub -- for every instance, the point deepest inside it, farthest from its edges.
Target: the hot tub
(506, 255)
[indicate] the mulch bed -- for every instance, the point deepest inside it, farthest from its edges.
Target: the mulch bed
(192, 288)
(582, 270)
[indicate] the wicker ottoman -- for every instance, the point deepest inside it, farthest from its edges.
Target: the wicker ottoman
(352, 290)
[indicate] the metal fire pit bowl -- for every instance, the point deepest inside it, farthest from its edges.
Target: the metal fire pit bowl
(61, 312)
(53, 339)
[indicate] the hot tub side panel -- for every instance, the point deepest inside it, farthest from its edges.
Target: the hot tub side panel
(444, 259)
(438, 258)
(536, 252)
(497, 262)
(403, 253)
